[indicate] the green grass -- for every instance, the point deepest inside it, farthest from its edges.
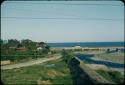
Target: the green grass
(113, 76)
(58, 74)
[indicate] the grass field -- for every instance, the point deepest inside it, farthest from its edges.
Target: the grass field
(56, 73)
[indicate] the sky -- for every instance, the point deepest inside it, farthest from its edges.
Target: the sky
(63, 21)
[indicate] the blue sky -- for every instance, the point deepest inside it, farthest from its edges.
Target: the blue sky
(92, 26)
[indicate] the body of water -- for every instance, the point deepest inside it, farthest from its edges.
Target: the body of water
(88, 44)
(87, 58)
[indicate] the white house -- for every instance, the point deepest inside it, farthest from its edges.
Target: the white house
(39, 48)
(77, 47)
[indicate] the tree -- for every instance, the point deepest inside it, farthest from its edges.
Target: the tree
(25, 42)
(116, 50)
(19, 45)
(108, 50)
(31, 46)
(13, 42)
(1, 42)
(28, 44)
(65, 55)
(47, 47)
(42, 44)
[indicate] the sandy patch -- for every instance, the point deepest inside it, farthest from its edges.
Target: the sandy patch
(44, 82)
(53, 73)
(6, 62)
(97, 67)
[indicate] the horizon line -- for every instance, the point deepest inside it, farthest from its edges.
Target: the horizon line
(85, 42)
(63, 41)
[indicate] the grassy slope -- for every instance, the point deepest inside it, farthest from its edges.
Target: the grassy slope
(59, 74)
(113, 76)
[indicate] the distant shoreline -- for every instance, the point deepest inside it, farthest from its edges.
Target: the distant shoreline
(94, 47)
(90, 42)
(104, 48)
(87, 44)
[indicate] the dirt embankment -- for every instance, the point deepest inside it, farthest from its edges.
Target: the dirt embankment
(30, 63)
(82, 74)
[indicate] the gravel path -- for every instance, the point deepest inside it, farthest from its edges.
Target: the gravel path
(30, 63)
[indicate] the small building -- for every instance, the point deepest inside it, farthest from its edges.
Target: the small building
(39, 48)
(77, 47)
(121, 50)
(21, 49)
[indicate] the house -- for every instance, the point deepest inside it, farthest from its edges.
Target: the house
(121, 50)
(21, 49)
(39, 48)
(77, 47)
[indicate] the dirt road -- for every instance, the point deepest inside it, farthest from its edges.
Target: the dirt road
(30, 63)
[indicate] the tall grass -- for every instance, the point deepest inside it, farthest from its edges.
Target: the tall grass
(31, 74)
(113, 76)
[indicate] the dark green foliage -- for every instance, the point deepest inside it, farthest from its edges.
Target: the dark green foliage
(25, 42)
(73, 61)
(1, 41)
(108, 50)
(19, 45)
(68, 57)
(13, 42)
(47, 47)
(9, 51)
(114, 76)
(116, 50)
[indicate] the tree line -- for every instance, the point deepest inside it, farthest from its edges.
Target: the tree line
(23, 47)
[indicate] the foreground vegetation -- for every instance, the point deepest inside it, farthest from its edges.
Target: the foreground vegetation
(52, 72)
(112, 76)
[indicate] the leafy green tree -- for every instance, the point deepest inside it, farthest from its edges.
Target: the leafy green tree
(13, 42)
(116, 50)
(29, 44)
(45, 47)
(108, 50)
(19, 45)
(65, 55)
(1, 42)
(25, 42)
